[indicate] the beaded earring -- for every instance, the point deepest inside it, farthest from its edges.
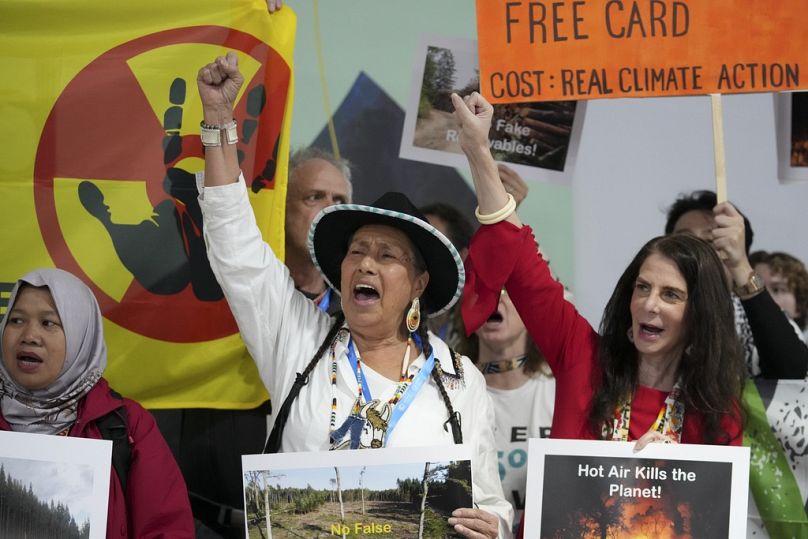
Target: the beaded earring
(413, 321)
(414, 316)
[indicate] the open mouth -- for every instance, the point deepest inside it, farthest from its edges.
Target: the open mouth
(28, 357)
(650, 330)
(28, 362)
(495, 318)
(364, 293)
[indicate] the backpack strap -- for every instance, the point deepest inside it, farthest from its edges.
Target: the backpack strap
(273, 444)
(114, 427)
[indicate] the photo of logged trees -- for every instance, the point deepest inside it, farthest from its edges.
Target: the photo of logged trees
(533, 134)
(580, 505)
(401, 500)
(25, 514)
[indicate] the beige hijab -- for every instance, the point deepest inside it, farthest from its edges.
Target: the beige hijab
(53, 409)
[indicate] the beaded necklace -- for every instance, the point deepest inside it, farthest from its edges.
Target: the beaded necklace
(669, 421)
(362, 389)
(502, 365)
(368, 414)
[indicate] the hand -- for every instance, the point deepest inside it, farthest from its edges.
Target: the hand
(473, 113)
(219, 83)
(274, 5)
(652, 437)
(729, 241)
(475, 523)
(513, 183)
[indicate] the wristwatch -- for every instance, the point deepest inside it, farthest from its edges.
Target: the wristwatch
(752, 287)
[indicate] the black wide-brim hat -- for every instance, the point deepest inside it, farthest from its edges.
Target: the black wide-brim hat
(334, 226)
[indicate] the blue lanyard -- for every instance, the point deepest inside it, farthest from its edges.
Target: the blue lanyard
(326, 301)
(409, 395)
(444, 330)
(359, 376)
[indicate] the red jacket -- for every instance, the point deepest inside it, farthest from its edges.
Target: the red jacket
(504, 255)
(156, 502)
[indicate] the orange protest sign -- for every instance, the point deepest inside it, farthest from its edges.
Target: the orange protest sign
(554, 50)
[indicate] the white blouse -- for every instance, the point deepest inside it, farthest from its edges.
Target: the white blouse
(283, 329)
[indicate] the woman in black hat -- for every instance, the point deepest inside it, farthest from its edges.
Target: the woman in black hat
(372, 377)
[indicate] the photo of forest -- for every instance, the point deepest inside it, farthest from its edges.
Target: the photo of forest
(391, 500)
(532, 134)
(44, 499)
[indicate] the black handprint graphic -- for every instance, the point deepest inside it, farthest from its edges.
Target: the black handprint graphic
(256, 99)
(167, 252)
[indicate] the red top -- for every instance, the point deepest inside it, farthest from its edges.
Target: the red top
(504, 255)
(156, 502)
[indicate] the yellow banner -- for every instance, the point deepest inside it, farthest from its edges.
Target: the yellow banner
(97, 159)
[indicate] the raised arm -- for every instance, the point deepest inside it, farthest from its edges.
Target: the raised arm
(781, 351)
(505, 254)
(280, 327)
(474, 114)
(219, 83)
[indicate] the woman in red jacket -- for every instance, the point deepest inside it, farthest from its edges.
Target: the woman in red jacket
(53, 356)
(665, 367)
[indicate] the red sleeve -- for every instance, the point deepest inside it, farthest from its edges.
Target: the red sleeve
(503, 255)
(730, 433)
(157, 498)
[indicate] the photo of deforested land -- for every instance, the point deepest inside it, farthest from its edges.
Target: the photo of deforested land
(393, 500)
(44, 499)
(533, 134)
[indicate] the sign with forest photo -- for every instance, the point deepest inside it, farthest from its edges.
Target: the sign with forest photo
(395, 493)
(53, 486)
(538, 140)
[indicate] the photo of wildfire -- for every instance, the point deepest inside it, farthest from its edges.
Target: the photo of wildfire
(799, 129)
(622, 498)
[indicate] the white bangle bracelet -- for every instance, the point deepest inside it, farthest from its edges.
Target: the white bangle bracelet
(499, 215)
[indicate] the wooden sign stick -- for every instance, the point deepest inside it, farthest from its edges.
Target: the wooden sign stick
(718, 149)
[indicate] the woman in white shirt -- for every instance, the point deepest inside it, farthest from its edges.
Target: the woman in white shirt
(377, 378)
